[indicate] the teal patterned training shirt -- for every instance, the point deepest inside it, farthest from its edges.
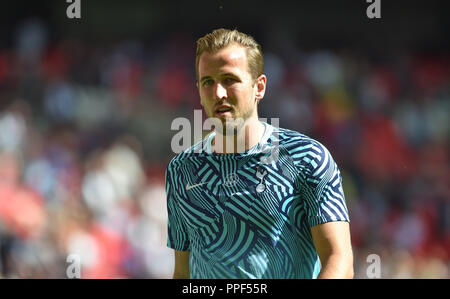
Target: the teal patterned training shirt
(248, 215)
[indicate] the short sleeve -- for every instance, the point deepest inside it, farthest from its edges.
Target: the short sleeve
(178, 237)
(321, 187)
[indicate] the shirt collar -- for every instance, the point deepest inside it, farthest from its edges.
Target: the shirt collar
(207, 144)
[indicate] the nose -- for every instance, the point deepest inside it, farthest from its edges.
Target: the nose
(220, 92)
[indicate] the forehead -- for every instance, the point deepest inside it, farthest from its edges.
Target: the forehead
(232, 58)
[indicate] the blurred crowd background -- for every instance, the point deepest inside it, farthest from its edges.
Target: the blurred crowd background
(86, 108)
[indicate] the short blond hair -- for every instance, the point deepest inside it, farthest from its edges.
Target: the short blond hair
(221, 38)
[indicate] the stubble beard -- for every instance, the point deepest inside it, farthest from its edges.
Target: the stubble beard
(232, 126)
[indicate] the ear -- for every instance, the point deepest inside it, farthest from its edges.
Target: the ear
(198, 89)
(260, 85)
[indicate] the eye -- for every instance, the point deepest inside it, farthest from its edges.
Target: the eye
(207, 82)
(230, 80)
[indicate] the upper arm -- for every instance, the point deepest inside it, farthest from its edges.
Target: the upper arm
(178, 232)
(320, 183)
(333, 239)
(181, 265)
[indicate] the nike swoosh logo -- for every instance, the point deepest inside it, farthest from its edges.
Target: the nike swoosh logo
(189, 187)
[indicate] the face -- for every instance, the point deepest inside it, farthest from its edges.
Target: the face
(227, 90)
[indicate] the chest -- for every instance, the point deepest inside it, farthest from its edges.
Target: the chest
(220, 193)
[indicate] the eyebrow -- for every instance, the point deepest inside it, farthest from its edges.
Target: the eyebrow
(204, 78)
(224, 74)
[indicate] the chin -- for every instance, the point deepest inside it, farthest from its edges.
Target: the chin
(232, 126)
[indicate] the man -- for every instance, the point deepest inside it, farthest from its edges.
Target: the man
(252, 200)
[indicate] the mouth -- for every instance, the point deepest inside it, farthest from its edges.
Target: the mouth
(223, 110)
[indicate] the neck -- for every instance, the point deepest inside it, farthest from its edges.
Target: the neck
(245, 138)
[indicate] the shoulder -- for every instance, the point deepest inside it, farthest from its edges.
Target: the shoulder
(181, 158)
(297, 143)
(304, 150)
